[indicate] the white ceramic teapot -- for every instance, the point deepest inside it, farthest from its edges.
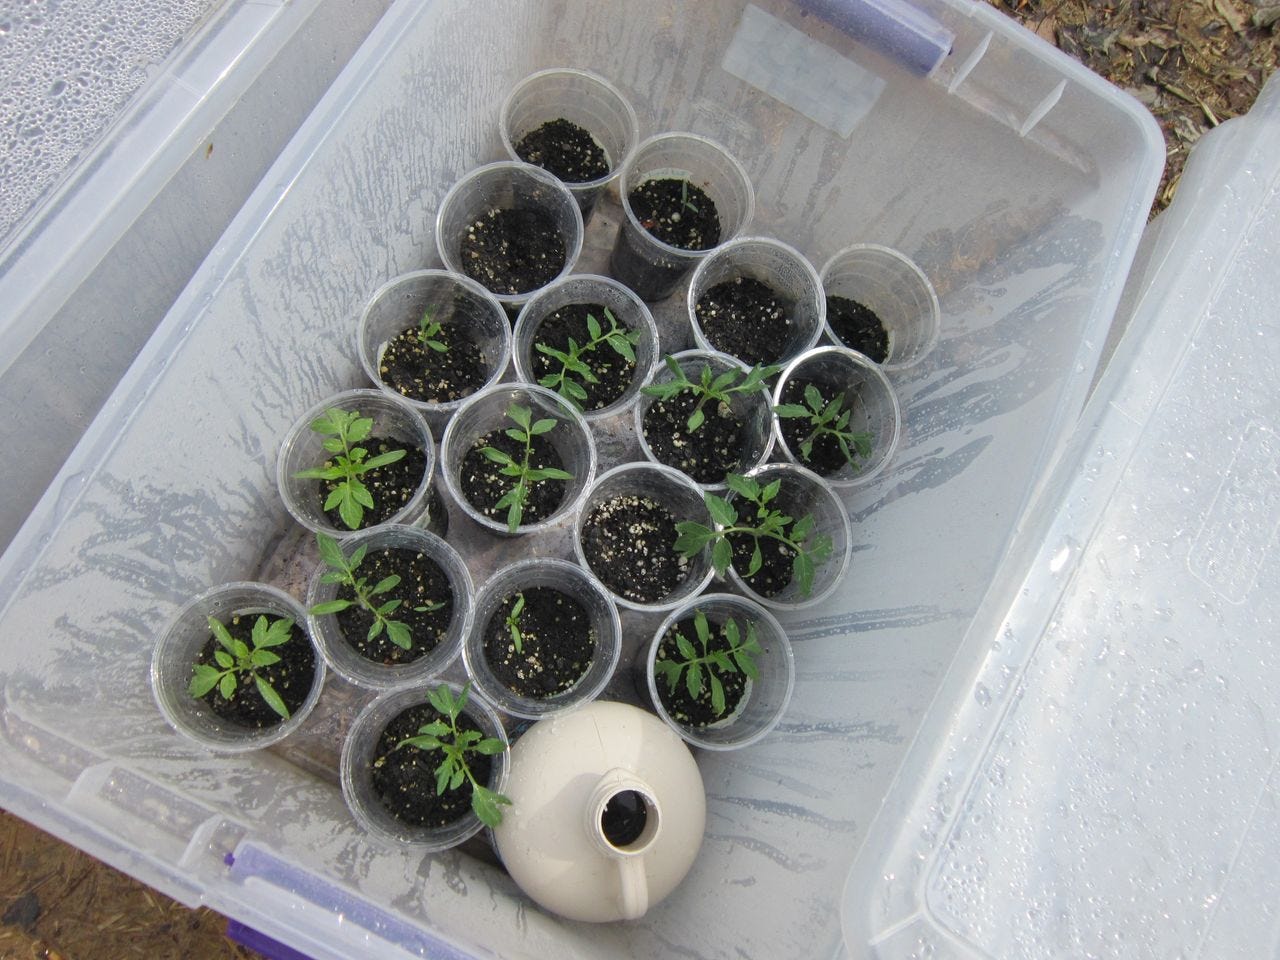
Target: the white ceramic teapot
(607, 812)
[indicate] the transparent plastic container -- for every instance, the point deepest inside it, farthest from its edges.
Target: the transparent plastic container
(577, 584)
(583, 98)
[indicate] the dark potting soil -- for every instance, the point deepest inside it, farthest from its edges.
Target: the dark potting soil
(746, 319)
(564, 149)
(391, 486)
(556, 643)
(706, 454)
(422, 584)
(404, 780)
(826, 457)
(484, 485)
(612, 371)
(697, 711)
(629, 543)
(677, 213)
(512, 251)
(774, 574)
(291, 677)
(858, 327)
(432, 376)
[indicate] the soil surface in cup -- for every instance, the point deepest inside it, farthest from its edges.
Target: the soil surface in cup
(391, 486)
(428, 374)
(706, 454)
(629, 543)
(291, 677)
(565, 150)
(404, 780)
(775, 571)
(858, 327)
(676, 212)
(838, 442)
(555, 642)
(697, 710)
(602, 364)
(746, 319)
(484, 484)
(510, 252)
(425, 605)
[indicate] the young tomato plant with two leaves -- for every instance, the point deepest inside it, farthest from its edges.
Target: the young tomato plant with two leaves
(621, 340)
(342, 570)
(525, 476)
(344, 430)
(454, 746)
(693, 664)
(429, 331)
(829, 418)
(512, 623)
(707, 388)
(764, 523)
(237, 661)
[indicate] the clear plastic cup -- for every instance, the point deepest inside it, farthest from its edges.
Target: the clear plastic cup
(803, 492)
(303, 448)
(629, 310)
(507, 185)
(457, 303)
(650, 267)
(345, 659)
(763, 701)
(875, 408)
(754, 409)
(673, 490)
(785, 271)
(180, 643)
(890, 284)
(485, 412)
(585, 99)
(576, 583)
(358, 752)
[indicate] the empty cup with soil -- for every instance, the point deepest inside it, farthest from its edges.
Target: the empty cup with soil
(719, 671)
(682, 196)
(389, 607)
(517, 458)
(780, 535)
(706, 414)
(881, 304)
(756, 299)
(574, 124)
(626, 532)
(512, 227)
(235, 669)
(415, 794)
(546, 638)
(433, 338)
(837, 414)
(589, 339)
(359, 459)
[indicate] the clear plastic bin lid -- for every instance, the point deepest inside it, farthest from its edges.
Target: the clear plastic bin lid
(1099, 775)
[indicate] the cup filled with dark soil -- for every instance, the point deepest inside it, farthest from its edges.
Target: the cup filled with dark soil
(880, 303)
(356, 460)
(546, 638)
(390, 607)
(682, 196)
(391, 787)
(707, 415)
(719, 671)
(574, 124)
(837, 414)
(589, 339)
(512, 227)
(625, 535)
(236, 669)
(517, 458)
(756, 299)
(434, 338)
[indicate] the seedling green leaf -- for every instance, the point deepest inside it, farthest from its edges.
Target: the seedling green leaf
(828, 418)
(620, 339)
(526, 476)
(705, 388)
(238, 662)
(702, 666)
(342, 430)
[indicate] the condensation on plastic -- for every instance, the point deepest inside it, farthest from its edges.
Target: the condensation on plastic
(1098, 776)
(171, 490)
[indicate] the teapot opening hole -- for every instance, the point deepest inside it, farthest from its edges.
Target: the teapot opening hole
(624, 818)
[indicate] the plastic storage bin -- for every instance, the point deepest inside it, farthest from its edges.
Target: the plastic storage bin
(1015, 178)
